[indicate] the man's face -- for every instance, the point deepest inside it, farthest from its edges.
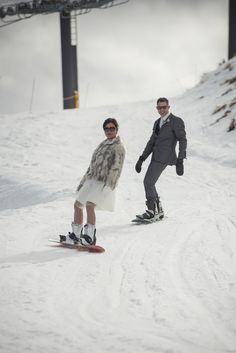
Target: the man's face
(163, 108)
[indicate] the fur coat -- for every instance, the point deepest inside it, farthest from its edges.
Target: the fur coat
(106, 163)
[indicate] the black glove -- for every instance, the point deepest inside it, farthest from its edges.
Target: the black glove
(180, 166)
(138, 165)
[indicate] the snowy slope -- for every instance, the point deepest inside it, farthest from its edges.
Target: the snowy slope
(168, 287)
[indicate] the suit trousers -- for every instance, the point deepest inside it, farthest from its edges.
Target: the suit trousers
(152, 175)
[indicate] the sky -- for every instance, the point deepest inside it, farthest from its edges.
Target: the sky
(128, 53)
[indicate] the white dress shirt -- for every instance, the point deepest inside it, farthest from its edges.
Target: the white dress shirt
(163, 119)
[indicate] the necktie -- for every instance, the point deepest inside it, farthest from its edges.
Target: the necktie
(161, 122)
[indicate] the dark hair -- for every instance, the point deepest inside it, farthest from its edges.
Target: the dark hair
(163, 99)
(111, 120)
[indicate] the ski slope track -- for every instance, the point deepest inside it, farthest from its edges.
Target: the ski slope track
(168, 287)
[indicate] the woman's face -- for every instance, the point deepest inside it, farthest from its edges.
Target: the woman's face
(110, 131)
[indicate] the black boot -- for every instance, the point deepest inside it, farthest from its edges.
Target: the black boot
(159, 209)
(151, 206)
(150, 213)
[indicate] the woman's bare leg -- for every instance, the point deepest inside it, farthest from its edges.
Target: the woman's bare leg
(91, 216)
(78, 213)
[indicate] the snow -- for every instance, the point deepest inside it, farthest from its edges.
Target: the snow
(168, 287)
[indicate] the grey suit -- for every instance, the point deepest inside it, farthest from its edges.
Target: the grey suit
(162, 144)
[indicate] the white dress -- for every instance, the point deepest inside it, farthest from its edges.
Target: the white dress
(94, 191)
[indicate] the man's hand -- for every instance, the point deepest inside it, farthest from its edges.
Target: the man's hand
(180, 166)
(138, 165)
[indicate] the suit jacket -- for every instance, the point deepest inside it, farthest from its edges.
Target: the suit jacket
(162, 142)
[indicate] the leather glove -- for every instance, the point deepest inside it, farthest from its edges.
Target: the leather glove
(180, 166)
(138, 165)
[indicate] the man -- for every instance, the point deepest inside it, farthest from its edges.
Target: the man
(167, 130)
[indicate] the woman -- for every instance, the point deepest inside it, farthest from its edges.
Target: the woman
(97, 187)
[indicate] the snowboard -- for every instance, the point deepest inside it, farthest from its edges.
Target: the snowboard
(79, 247)
(147, 221)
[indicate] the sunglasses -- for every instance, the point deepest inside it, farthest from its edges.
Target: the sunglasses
(162, 107)
(112, 128)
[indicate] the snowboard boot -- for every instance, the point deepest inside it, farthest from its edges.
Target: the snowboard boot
(88, 236)
(150, 213)
(160, 209)
(74, 237)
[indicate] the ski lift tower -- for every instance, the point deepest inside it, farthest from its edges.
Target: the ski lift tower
(13, 11)
(232, 29)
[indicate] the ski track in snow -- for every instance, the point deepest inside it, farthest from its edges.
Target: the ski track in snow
(168, 287)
